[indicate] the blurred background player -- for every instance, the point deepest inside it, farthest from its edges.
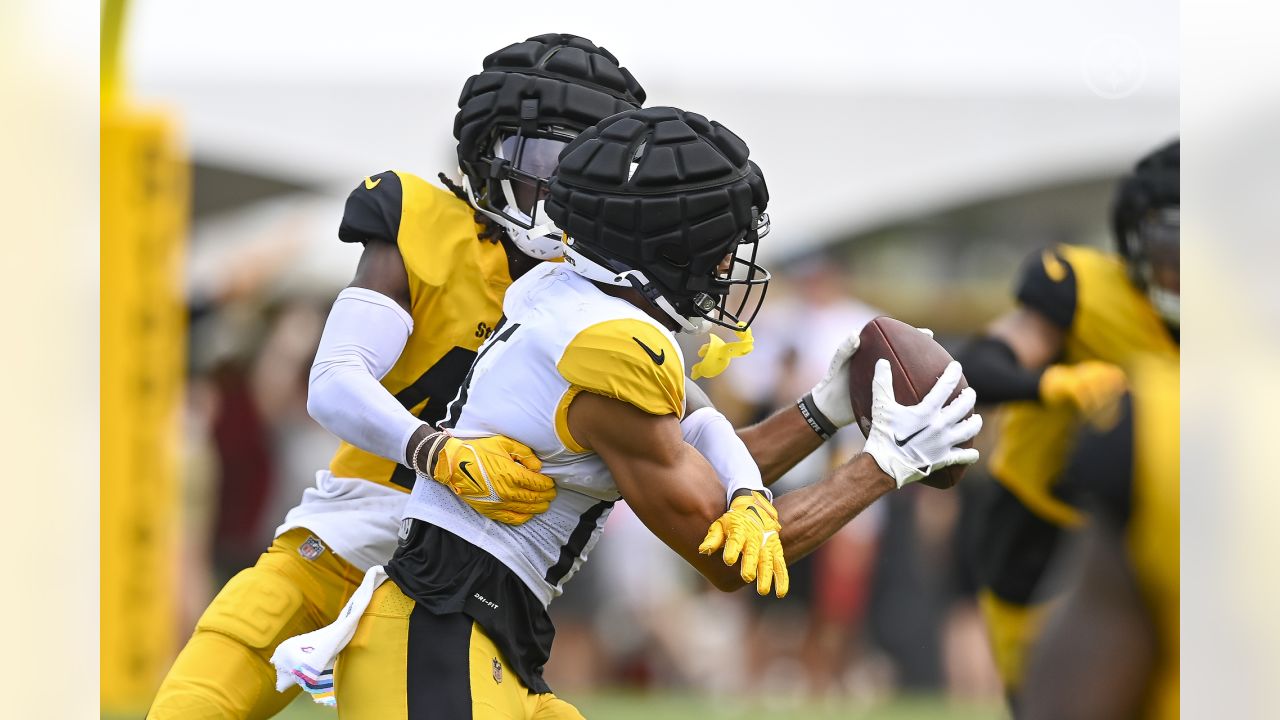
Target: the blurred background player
(663, 212)
(1110, 648)
(396, 346)
(1083, 316)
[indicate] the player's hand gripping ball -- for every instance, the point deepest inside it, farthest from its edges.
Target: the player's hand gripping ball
(496, 476)
(750, 529)
(913, 404)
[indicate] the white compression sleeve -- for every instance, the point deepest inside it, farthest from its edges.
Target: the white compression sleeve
(363, 337)
(711, 434)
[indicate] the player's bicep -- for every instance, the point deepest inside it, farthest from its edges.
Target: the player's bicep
(1035, 340)
(671, 488)
(381, 269)
(371, 217)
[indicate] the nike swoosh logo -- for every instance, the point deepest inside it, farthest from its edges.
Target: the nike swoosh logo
(370, 183)
(493, 493)
(656, 357)
(905, 440)
(1053, 267)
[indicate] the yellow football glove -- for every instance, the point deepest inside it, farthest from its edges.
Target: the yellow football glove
(1090, 386)
(496, 476)
(751, 528)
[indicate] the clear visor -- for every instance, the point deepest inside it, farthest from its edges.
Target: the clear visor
(532, 162)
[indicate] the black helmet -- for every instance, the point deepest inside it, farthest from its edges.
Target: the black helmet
(658, 199)
(1145, 222)
(514, 118)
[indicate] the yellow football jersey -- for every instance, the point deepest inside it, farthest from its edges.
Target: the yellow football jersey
(456, 286)
(1151, 534)
(1086, 292)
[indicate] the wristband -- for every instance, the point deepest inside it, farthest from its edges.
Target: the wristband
(817, 421)
(413, 459)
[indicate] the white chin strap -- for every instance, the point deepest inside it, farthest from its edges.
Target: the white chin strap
(1166, 303)
(541, 242)
(592, 270)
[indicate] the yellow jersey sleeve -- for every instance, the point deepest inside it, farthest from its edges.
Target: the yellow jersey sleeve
(628, 360)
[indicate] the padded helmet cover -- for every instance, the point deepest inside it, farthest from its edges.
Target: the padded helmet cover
(574, 82)
(660, 190)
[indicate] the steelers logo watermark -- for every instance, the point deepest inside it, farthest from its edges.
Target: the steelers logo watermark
(1114, 67)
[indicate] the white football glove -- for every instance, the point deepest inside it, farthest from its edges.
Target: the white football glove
(910, 441)
(831, 394)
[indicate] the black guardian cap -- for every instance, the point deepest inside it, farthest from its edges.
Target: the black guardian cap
(513, 119)
(667, 202)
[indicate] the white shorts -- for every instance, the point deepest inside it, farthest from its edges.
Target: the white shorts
(357, 519)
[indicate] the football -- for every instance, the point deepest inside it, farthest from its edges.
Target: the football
(917, 361)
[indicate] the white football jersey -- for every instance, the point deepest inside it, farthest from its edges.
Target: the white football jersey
(560, 336)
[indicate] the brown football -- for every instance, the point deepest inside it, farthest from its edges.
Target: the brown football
(917, 361)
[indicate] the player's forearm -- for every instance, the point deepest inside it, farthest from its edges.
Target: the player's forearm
(992, 370)
(779, 442)
(776, 443)
(811, 515)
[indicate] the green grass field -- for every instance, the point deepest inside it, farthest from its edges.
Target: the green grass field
(674, 706)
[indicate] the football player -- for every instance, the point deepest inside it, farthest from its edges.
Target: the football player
(663, 212)
(397, 344)
(1111, 649)
(1059, 356)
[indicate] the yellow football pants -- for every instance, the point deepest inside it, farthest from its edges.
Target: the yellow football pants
(224, 672)
(406, 663)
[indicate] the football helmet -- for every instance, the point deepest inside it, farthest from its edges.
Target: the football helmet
(668, 203)
(515, 117)
(1145, 222)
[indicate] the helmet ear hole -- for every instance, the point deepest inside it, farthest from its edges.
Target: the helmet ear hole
(676, 255)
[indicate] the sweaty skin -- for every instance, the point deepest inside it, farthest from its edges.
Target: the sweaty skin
(676, 494)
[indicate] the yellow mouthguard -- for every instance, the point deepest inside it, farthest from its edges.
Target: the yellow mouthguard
(717, 353)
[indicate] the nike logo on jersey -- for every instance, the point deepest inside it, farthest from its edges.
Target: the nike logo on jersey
(1053, 267)
(370, 183)
(657, 358)
(907, 439)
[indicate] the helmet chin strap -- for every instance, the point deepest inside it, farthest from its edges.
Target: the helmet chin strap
(542, 242)
(1166, 303)
(635, 279)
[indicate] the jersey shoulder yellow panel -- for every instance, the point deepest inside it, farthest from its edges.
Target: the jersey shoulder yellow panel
(629, 360)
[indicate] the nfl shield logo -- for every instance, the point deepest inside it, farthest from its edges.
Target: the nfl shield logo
(497, 671)
(311, 549)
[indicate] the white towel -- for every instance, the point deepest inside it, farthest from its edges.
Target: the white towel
(307, 659)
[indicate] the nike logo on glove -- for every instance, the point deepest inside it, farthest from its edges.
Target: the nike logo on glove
(493, 495)
(370, 183)
(907, 439)
(463, 467)
(657, 358)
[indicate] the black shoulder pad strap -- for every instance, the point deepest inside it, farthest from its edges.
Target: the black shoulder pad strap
(1047, 283)
(373, 210)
